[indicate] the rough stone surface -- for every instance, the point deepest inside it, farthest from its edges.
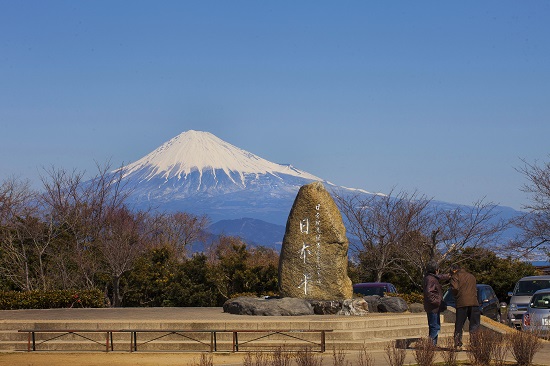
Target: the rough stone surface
(416, 308)
(390, 304)
(386, 304)
(328, 307)
(355, 307)
(268, 307)
(373, 301)
(314, 256)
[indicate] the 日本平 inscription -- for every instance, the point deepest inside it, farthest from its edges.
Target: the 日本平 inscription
(313, 260)
(310, 253)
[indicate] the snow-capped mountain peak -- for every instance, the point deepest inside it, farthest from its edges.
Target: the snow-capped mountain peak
(198, 173)
(201, 151)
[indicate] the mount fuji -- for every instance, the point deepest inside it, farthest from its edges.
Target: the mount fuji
(196, 172)
(241, 193)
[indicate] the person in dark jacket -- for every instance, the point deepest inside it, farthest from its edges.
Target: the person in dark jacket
(433, 299)
(464, 288)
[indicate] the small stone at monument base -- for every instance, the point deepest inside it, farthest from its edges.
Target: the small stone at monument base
(328, 307)
(355, 307)
(390, 304)
(373, 301)
(386, 304)
(286, 306)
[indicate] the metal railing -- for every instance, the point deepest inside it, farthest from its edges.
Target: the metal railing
(186, 334)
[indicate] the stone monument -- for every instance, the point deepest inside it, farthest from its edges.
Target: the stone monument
(314, 256)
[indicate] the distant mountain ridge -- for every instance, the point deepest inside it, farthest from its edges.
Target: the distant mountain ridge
(257, 232)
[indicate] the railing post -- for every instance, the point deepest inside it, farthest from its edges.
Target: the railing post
(132, 341)
(235, 342)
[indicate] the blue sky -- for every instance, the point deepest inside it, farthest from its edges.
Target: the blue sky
(435, 96)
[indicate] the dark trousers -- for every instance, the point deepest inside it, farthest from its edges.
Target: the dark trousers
(474, 317)
(434, 325)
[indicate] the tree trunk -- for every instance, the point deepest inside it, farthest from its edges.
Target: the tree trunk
(117, 298)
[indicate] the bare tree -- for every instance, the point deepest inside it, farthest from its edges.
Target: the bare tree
(15, 199)
(381, 224)
(475, 226)
(535, 224)
(17, 208)
(39, 235)
(16, 258)
(66, 201)
(179, 230)
(121, 242)
(402, 233)
(446, 231)
(80, 209)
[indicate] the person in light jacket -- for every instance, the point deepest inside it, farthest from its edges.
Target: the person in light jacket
(433, 299)
(464, 288)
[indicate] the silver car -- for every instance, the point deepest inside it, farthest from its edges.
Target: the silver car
(537, 316)
(521, 296)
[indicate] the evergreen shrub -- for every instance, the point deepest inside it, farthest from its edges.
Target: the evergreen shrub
(13, 300)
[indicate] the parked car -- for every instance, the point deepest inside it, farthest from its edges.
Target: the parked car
(488, 301)
(521, 296)
(373, 288)
(537, 316)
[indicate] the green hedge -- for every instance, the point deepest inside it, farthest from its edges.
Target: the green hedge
(12, 300)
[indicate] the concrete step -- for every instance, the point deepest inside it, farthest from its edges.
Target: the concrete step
(337, 335)
(371, 332)
(338, 322)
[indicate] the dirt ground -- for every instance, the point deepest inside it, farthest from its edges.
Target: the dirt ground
(129, 359)
(182, 359)
(112, 359)
(161, 359)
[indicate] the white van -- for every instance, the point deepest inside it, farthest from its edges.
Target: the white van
(520, 297)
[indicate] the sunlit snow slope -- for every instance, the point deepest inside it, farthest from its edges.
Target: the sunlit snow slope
(202, 152)
(198, 172)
